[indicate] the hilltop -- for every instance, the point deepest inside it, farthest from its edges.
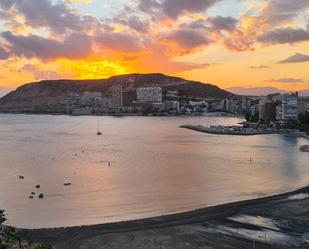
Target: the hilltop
(49, 96)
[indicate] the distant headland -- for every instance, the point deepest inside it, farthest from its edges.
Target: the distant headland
(132, 93)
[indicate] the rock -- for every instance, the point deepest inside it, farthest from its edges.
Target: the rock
(305, 148)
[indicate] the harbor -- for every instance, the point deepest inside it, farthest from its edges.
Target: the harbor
(237, 130)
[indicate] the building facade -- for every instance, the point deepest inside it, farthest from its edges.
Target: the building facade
(149, 94)
(289, 107)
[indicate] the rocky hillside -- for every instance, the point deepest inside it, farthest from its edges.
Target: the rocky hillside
(50, 96)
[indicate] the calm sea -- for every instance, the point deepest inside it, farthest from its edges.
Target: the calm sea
(140, 167)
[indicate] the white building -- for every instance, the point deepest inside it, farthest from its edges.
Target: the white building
(198, 103)
(289, 107)
(171, 105)
(149, 94)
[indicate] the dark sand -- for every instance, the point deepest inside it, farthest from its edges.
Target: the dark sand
(280, 221)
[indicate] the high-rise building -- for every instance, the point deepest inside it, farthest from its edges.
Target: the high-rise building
(262, 105)
(149, 94)
(289, 107)
(115, 99)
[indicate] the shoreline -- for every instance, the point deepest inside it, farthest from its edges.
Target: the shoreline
(61, 236)
(123, 115)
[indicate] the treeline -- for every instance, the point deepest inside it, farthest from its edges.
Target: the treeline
(304, 122)
(301, 124)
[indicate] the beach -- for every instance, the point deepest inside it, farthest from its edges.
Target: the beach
(279, 221)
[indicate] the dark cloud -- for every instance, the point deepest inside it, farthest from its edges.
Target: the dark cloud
(56, 16)
(43, 13)
(260, 67)
(175, 8)
(149, 6)
(119, 42)
(138, 25)
(4, 54)
(286, 80)
(133, 22)
(197, 24)
(279, 11)
(6, 4)
(284, 35)
(4, 15)
(213, 24)
(187, 38)
(223, 23)
(40, 74)
(75, 46)
(295, 59)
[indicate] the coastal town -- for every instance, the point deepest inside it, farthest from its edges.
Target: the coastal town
(156, 101)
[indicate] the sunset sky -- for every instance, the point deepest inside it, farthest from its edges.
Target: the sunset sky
(249, 43)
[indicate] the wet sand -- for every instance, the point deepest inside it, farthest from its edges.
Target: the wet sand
(280, 221)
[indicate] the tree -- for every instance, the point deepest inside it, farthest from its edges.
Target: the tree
(304, 122)
(44, 246)
(254, 118)
(248, 116)
(2, 217)
(304, 118)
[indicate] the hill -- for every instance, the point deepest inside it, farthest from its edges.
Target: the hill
(4, 91)
(50, 96)
(262, 91)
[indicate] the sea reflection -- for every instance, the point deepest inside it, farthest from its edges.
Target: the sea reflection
(140, 167)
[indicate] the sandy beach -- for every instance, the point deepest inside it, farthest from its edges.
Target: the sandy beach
(280, 221)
